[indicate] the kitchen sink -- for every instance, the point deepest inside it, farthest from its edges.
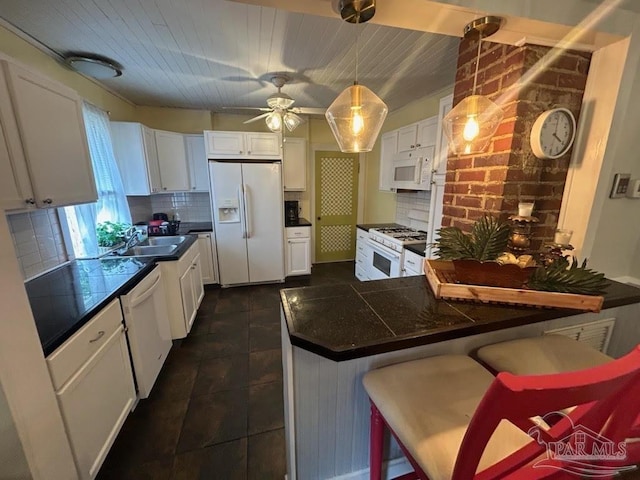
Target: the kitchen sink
(169, 240)
(150, 250)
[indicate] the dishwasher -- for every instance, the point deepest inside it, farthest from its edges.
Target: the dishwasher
(148, 331)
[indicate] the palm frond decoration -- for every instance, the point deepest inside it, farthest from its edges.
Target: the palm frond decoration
(487, 241)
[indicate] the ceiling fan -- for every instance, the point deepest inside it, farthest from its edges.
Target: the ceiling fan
(280, 109)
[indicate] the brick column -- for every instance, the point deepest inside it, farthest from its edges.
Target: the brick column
(508, 172)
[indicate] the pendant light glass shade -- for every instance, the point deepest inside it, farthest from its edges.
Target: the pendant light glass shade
(356, 117)
(291, 120)
(470, 126)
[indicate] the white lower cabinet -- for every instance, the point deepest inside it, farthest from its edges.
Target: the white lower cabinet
(92, 375)
(206, 245)
(185, 291)
(298, 251)
(363, 255)
(413, 264)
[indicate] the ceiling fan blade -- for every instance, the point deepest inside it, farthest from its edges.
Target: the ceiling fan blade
(308, 110)
(260, 109)
(255, 119)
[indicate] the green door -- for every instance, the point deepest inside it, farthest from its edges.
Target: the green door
(336, 202)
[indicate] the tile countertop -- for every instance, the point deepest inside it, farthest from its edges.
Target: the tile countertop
(417, 248)
(344, 322)
(63, 300)
(302, 222)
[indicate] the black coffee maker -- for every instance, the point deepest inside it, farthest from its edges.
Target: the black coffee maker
(291, 212)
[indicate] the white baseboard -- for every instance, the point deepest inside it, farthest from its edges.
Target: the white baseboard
(391, 469)
(626, 279)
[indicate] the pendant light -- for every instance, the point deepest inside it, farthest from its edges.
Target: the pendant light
(470, 126)
(357, 114)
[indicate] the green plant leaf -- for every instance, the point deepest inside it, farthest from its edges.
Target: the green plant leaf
(490, 237)
(453, 244)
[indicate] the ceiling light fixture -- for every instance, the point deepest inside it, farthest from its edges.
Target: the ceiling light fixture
(470, 126)
(93, 65)
(274, 121)
(357, 114)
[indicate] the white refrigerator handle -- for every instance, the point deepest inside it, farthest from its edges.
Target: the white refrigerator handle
(241, 210)
(247, 210)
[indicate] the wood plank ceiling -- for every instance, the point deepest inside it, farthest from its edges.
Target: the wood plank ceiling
(210, 54)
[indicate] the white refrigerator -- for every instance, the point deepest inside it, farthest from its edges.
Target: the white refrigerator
(248, 214)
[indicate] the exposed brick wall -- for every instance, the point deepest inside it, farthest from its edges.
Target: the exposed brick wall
(508, 172)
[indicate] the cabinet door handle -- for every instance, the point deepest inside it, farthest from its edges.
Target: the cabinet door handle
(418, 145)
(164, 188)
(249, 152)
(97, 337)
(48, 201)
(30, 201)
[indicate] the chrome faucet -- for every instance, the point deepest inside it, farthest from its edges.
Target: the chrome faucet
(131, 238)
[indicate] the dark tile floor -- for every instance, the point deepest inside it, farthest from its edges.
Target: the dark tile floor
(216, 411)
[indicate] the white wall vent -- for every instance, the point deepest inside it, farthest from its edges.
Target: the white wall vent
(595, 334)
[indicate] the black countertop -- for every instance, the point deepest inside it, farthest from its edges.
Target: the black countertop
(195, 227)
(63, 300)
(343, 322)
(367, 226)
(302, 222)
(418, 248)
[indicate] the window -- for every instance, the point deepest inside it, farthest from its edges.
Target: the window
(112, 202)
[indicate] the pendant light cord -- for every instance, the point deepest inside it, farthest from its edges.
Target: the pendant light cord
(357, 48)
(475, 76)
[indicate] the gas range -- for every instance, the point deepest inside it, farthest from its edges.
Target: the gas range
(396, 237)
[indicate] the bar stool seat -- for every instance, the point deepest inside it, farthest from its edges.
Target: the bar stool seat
(543, 355)
(428, 404)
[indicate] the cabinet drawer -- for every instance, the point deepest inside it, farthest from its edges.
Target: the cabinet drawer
(361, 274)
(186, 260)
(361, 260)
(361, 234)
(298, 232)
(363, 249)
(66, 359)
(413, 261)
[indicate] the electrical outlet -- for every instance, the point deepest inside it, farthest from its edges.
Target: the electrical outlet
(620, 185)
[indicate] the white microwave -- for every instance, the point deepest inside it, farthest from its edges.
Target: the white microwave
(413, 170)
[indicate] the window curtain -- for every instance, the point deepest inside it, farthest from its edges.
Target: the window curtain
(112, 202)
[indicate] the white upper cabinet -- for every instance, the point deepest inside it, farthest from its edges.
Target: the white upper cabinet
(427, 132)
(172, 160)
(134, 147)
(388, 148)
(442, 147)
(44, 146)
(407, 138)
(198, 163)
(262, 144)
(222, 144)
(294, 164)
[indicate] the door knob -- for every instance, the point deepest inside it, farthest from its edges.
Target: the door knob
(318, 218)
(48, 201)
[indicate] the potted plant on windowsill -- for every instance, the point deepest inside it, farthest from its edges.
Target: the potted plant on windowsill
(111, 234)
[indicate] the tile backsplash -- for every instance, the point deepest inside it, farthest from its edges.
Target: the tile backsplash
(38, 241)
(190, 206)
(407, 201)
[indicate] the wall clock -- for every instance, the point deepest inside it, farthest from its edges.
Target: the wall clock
(553, 133)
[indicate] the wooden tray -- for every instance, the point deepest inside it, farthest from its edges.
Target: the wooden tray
(441, 277)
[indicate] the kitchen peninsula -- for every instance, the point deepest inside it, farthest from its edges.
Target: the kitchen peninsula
(332, 335)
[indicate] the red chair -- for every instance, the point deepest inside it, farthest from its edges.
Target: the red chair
(454, 420)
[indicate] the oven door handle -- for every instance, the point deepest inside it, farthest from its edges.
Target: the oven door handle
(387, 252)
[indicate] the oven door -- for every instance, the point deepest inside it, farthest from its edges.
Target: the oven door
(383, 262)
(412, 171)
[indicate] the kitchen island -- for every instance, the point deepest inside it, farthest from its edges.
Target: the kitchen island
(332, 335)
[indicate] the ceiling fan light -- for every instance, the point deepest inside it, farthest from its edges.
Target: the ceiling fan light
(274, 122)
(280, 100)
(291, 120)
(470, 126)
(356, 117)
